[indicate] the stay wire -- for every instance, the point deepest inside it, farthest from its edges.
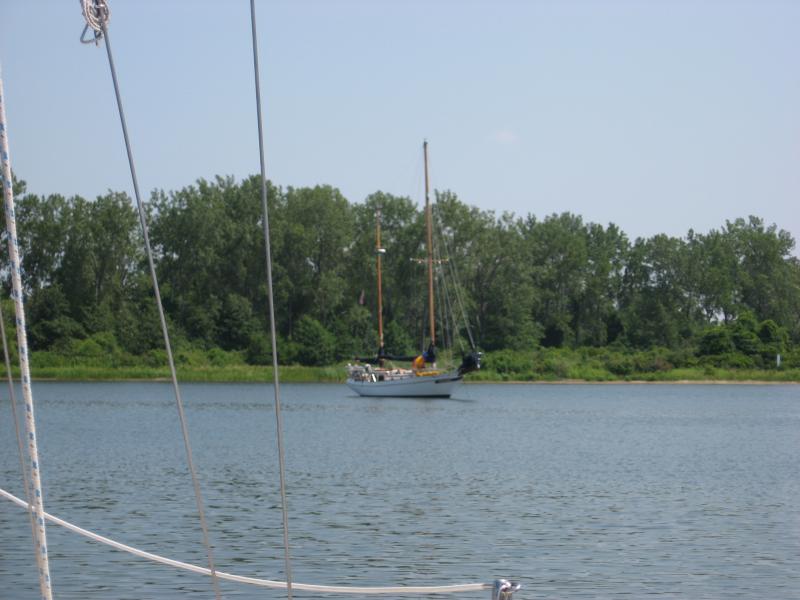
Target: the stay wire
(273, 335)
(451, 265)
(450, 315)
(441, 293)
(162, 317)
(456, 285)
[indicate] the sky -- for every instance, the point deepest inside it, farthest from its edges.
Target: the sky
(656, 116)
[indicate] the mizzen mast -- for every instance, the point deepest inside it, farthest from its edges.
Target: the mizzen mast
(429, 226)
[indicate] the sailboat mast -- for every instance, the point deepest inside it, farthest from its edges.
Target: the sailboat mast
(378, 252)
(429, 225)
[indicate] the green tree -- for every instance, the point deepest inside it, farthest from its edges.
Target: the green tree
(316, 346)
(319, 225)
(653, 305)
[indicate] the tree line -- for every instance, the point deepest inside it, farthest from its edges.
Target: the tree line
(524, 282)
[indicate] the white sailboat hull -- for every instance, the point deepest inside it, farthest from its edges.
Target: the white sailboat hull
(435, 386)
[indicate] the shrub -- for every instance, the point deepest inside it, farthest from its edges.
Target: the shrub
(189, 356)
(259, 350)
(730, 360)
(791, 360)
(509, 362)
(220, 358)
(88, 348)
(316, 346)
(620, 364)
(743, 332)
(556, 363)
(652, 361)
(47, 334)
(716, 340)
(156, 357)
(774, 340)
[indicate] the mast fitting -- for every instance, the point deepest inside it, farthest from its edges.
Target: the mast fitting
(97, 14)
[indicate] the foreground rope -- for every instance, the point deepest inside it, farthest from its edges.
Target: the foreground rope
(268, 583)
(40, 535)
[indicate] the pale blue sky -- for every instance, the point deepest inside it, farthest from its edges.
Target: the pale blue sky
(657, 116)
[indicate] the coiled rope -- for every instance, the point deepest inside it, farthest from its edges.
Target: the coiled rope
(268, 583)
(96, 13)
(37, 506)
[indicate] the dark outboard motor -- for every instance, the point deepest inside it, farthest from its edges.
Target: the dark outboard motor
(430, 354)
(470, 362)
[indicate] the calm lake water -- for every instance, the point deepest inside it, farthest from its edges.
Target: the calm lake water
(576, 491)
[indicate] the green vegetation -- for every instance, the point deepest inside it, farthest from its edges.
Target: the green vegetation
(540, 365)
(548, 299)
(614, 364)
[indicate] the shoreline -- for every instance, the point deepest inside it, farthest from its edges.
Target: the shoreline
(239, 373)
(645, 382)
(57, 379)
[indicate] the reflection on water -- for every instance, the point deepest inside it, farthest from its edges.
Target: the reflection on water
(591, 491)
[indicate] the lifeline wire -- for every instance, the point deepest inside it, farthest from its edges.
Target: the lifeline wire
(267, 583)
(268, 253)
(162, 317)
(40, 536)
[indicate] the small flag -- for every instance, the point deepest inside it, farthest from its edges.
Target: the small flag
(361, 298)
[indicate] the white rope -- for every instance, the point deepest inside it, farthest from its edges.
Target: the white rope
(268, 583)
(97, 13)
(42, 560)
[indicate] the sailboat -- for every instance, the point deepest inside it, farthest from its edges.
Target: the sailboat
(372, 376)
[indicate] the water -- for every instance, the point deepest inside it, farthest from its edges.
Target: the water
(577, 491)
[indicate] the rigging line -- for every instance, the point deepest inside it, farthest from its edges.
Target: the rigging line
(40, 535)
(273, 336)
(267, 583)
(458, 294)
(456, 284)
(440, 260)
(162, 317)
(455, 336)
(456, 333)
(451, 315)
(26, 484)
(438, 296)
(444, 315)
